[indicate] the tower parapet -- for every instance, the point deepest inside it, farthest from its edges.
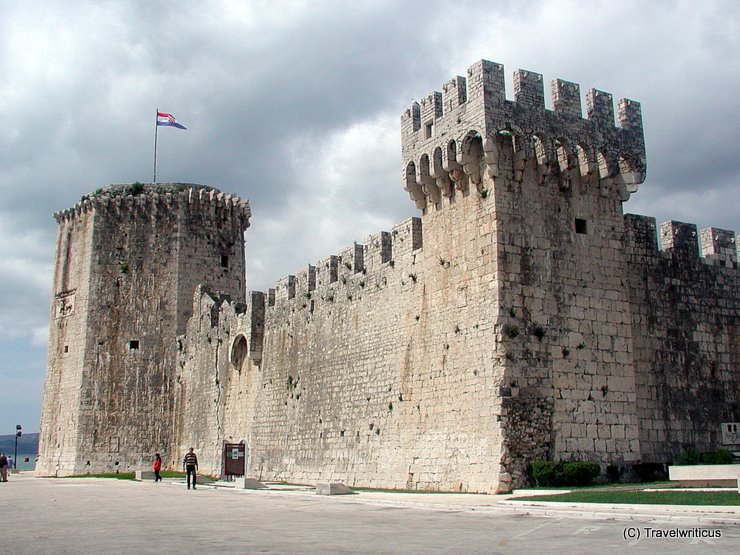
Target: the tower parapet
(154, 196)
(451, 138)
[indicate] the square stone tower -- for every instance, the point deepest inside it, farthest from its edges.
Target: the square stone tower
(527, 204)
(128, 260)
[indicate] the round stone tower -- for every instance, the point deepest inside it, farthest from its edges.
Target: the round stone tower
(128, 261)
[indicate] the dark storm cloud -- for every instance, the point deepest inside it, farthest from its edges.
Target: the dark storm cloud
(296, 106)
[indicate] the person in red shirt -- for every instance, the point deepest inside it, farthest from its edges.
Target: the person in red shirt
(157, 467)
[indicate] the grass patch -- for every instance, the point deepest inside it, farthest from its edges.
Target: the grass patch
(172, 474)
(725, 498)
(114, 475)
(613, 486)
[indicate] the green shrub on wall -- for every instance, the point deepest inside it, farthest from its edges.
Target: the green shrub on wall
(545, 473)
(692, 456)
(552, 473)
(580, 473)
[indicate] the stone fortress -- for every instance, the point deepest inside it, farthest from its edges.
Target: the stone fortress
(521, 317)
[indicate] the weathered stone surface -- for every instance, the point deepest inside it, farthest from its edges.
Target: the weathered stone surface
(521, 317)
(686, 338)
(128, 260)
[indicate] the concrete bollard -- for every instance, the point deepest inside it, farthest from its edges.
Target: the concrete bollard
(141, 475)
(333, 488)
(242, 482)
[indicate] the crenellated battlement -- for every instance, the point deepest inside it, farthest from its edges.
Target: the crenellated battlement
(149, 198)
(355, 265)
(681, 240)
(718, 244)
(452, 139)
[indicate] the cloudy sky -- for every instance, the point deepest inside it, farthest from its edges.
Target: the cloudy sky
(296, 106)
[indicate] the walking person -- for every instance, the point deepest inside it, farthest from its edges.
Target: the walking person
(190, 462)
(157, 467)
(3, 468)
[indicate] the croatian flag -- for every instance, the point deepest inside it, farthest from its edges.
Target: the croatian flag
(164, 118)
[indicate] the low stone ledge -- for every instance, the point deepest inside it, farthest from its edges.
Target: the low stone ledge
(242, 482)
(706, 475)
(333, 488)
(142, 475)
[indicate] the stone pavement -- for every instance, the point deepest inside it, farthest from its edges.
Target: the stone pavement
(88, 515)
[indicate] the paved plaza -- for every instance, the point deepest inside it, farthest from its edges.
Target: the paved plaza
(87, 515)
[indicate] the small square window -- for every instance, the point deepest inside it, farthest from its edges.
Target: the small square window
(224, 261)
(429, 130)
(66, 348)
(133, 345)
(581, 226)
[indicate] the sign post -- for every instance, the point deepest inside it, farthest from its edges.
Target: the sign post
(730, 433)
(234, 459)
(18, 433)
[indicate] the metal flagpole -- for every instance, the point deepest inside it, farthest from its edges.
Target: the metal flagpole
(156, 128)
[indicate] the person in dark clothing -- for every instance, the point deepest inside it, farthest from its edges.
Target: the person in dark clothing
(190, 462)
(3, 468)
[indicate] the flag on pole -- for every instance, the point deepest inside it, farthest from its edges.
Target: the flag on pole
(164, 118)
(168, 120)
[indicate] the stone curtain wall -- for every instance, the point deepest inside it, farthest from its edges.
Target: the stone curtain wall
(378, 377)
(376, 368)
(216, 382)
(685, 312)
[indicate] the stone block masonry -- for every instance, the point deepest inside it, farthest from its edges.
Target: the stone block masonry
(357, 373)
(684, 313)
(520, 317)
(128, 260)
